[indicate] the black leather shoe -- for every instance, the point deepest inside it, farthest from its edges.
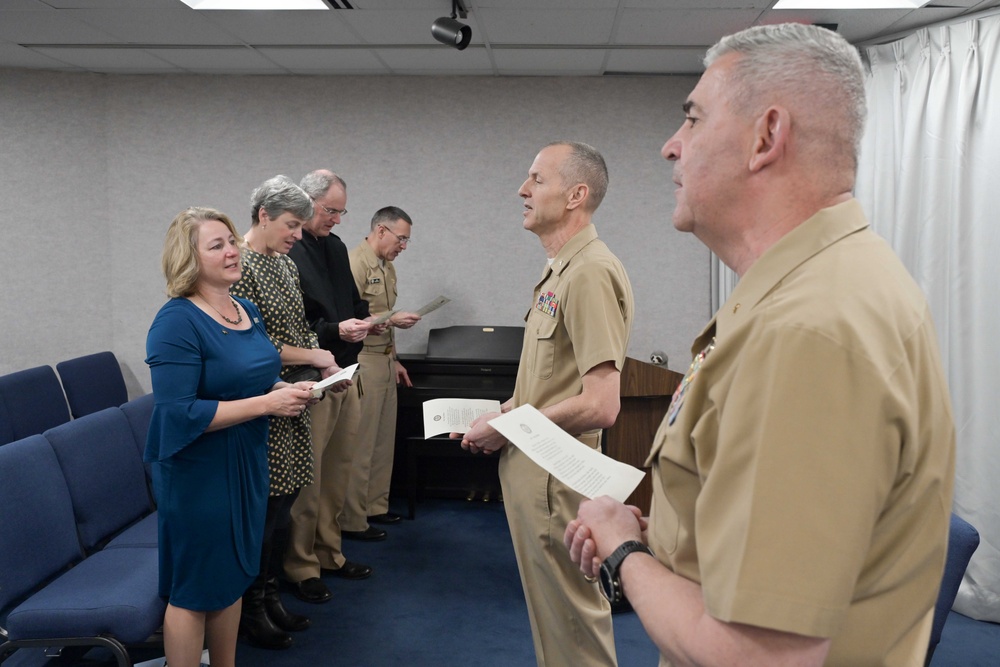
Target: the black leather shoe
(351, 570)
(311, 590)
(370, 534)
(385, 519)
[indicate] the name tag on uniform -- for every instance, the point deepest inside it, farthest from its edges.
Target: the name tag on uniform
(547, 303)
(374, 281)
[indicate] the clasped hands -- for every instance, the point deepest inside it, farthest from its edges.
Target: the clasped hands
(481, 438)
(601, 526)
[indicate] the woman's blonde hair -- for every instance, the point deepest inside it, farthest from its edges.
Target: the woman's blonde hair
(180, 262)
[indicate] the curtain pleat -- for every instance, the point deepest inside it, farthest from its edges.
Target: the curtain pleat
(929, 180)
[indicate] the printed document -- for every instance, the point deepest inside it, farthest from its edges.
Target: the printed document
(573, 463)
(343, 374)
(454, 415)
(423, 310)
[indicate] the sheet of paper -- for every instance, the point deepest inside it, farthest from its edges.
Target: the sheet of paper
(433, 305)
(384, 317)
(573, 463)
(454, 415)
(343, 374)
(423, 310)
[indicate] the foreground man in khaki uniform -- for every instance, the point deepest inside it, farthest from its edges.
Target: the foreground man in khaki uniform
(803, 473)
(574, 346)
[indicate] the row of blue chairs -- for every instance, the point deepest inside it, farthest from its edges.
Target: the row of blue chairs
(33, 401)
(78, 536)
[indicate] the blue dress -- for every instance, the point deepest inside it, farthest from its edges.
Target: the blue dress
(211, 488)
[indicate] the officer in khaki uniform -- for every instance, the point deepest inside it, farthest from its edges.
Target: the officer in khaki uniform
(802, 476)
(575, 340)
(375, 278)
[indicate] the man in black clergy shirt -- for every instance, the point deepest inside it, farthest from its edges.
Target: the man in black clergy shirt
(341, 320)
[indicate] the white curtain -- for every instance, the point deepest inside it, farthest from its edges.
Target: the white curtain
(929, 180)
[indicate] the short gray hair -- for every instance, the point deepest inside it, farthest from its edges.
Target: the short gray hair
(279, 195)
(316, 183)
(388, 215)
(585, 165)
(807, 61)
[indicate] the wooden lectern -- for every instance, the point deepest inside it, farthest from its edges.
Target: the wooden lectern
(645, 396)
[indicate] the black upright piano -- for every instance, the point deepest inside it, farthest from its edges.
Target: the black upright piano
(460, 362)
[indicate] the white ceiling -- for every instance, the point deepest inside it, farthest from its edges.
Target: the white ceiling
(509, 37)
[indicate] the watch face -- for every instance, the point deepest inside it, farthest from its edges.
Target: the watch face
(607, 583)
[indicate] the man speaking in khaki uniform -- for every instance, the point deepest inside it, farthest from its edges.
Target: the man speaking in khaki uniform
(375, 278)
(574, 346)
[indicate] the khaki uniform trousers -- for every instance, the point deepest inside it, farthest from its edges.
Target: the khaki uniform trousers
(570, 618)
(315, 540)
(368, 492)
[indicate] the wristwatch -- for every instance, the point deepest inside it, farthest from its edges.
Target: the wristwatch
(611, 583)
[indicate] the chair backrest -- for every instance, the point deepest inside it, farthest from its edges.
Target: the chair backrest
(38, 536)
(31, 401)
(104, 473)
(92, 382)
(963, 539)
(139, 411)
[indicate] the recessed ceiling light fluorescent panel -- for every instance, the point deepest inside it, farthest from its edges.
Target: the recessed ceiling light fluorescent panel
(850, 4)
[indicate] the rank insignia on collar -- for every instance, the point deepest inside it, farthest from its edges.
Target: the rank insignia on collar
(547, 303)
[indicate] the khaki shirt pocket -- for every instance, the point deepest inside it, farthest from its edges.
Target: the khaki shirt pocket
(542, 349)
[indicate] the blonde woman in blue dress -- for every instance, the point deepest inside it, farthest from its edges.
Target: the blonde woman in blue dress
(215, 383)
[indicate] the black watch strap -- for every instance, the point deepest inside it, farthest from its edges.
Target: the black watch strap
(611, 584)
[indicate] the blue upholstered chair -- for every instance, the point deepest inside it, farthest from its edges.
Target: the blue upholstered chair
(139, 411)
(108, 599)
(92, 382)
(963, 539)
(105, 475)
(31, 401)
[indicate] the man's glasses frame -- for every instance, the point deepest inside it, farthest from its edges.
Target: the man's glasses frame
(403, 240)
(331, 211)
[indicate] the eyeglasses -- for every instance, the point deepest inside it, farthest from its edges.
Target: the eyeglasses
(331, 211)
(403, 240)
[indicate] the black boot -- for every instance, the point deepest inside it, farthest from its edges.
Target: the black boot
(255, 625)
(276, 611)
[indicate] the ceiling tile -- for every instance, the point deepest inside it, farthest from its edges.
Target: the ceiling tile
(656, 61)
(436, 61)
(109, 60)
(326, 61)
(117, 4)
(241, 61)
(12, 55)
(23, 5)
(154, 26)
(408, 26)
(680, 27)
(546, 4)
(549, 62)
(547, 26)
(759, 5)
(48, 27)
(286, 28)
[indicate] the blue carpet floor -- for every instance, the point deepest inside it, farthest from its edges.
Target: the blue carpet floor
(446, 593)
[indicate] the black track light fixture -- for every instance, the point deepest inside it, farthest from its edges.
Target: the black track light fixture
(450, 31)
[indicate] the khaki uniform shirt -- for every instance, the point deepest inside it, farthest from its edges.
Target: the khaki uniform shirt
(581, 317)
(377, 285)
(803, 474)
